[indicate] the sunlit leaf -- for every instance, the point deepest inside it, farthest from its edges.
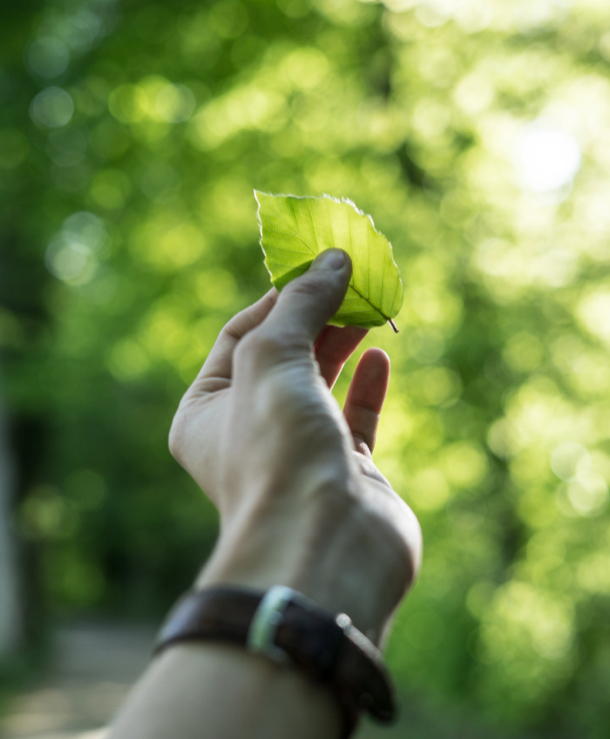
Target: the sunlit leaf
(294, 230)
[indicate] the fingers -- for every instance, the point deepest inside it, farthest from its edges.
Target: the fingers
(334, 347)
(307, 303)
(366, 395)
(220, 359)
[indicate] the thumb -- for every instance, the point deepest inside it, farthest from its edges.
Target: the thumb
(307, 303)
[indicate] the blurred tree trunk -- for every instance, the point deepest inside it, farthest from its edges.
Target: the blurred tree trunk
(10, 607)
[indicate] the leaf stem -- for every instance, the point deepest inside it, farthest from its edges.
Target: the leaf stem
(393, 325)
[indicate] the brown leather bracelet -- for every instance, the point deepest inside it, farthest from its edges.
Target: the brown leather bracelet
(290, 628)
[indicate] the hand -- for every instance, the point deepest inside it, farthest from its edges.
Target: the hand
(300, 500)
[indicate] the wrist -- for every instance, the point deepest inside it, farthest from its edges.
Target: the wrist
(286, 627)
(343, 556)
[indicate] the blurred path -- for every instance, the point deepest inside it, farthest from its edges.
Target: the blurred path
(94, 668)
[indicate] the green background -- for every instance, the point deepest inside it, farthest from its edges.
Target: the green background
(132, 135)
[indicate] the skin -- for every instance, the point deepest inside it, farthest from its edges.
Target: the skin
(301, 504)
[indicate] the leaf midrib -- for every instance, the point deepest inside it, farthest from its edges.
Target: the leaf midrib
(351, 287)
(360, 295)
(315, 252)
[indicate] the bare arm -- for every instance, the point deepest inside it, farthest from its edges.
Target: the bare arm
(212, 690)
(301, 504)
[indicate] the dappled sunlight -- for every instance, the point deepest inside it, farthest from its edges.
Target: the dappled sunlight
(594, 312)
(477, 134)
(546, 159)
(429, 490)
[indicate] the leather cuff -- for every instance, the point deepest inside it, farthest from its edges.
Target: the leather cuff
(289, 628)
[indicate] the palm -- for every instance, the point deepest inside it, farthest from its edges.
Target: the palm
(204, 409)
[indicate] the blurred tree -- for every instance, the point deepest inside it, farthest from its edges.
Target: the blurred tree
(23, 321)
(10, 605)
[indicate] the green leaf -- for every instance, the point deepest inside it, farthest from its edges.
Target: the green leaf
(294, 230)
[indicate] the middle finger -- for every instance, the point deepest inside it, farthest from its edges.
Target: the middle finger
(334, 347)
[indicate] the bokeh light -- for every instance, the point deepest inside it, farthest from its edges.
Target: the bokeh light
(546, 159)
(53, 107)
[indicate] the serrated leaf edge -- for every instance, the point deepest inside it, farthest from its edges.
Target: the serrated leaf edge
(336, 200)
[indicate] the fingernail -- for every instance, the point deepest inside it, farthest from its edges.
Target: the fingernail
(331, 259)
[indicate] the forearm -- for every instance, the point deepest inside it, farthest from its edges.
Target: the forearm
(301, 506)
(210, 690)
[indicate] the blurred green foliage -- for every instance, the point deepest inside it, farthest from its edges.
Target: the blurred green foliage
(477, 134)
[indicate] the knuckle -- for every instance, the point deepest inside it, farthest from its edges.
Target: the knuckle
(248, 349)
(308, 286)
(261, 346)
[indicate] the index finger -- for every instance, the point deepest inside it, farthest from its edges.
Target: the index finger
(219, 363)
